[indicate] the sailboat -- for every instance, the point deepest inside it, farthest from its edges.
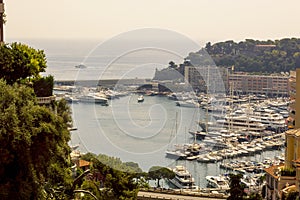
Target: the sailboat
(179, 151)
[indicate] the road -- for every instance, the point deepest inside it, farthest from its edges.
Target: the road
(172, 196)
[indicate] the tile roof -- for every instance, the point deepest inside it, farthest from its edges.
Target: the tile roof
(83, 163)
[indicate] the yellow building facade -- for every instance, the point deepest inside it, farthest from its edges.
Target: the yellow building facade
(278, 182)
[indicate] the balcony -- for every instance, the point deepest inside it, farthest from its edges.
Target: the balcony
(45, 100)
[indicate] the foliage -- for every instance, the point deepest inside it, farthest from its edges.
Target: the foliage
(287, 172)
(19, 61)
(252, 55)
(64, 111)
(158, 172)
(43, 86)
(115, 178)
(92, 187)
(254, 196)
(292, 195)
(34, 147)
(236, 188)
(116, 163)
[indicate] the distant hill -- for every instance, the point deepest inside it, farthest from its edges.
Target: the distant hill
(252, 55)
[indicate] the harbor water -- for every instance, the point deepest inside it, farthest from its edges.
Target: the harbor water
(142, 132)
(131, 131)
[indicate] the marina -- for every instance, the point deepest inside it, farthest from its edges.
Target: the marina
(215, 154)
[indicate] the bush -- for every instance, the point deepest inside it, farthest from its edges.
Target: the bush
(43, 87)
(288, 172)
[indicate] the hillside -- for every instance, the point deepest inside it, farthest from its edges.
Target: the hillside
(252, 55)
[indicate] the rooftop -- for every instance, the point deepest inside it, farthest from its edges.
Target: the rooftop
(271, 170)
(83, 163)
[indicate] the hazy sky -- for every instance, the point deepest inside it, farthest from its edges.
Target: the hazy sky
(213, 20)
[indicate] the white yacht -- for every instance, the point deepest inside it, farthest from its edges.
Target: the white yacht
(176, 154)
(241, 122)
(219, 182)
(93, 98)
(269, 117)
(183, 179)
(188, 103)
(140, 99)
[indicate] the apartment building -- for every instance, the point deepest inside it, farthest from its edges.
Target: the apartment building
(271, 85)
(286, 178)
(222, 79)
(210, 79)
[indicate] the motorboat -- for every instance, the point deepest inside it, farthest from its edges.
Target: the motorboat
(219, 182)
(208, 158)
(188, 103)
(140, 99)
(175, 154)
(93, 98)
(71, 99)
(80, 66)
(183, 178)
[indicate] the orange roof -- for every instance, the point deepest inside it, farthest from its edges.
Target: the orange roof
(295, 132)
(296, 162)
(270, 170)
(83, 163)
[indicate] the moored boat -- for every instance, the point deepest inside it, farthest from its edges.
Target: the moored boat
(219, 182)
(93, 98)
(183, 178)
(140, 99)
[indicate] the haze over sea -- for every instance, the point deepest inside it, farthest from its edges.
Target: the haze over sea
(133, 132)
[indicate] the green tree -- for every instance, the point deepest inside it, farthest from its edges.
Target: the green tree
(19, 61)
(246, 56)
(172, 65)
(254, 196)
(292, 195)
(114, 184)
(158, 172)
(236, 188)
(296, 56)
(43, 86)
(34, 147)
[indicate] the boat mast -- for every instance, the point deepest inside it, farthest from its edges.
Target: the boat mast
(207, 91)
(231, 103)
(176, 126)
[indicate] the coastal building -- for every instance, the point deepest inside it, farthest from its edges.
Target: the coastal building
(283, 179)
(46, 100)
(220, 78)
(270, 85)
(292, 104)
(276, 181)
(202, 76)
